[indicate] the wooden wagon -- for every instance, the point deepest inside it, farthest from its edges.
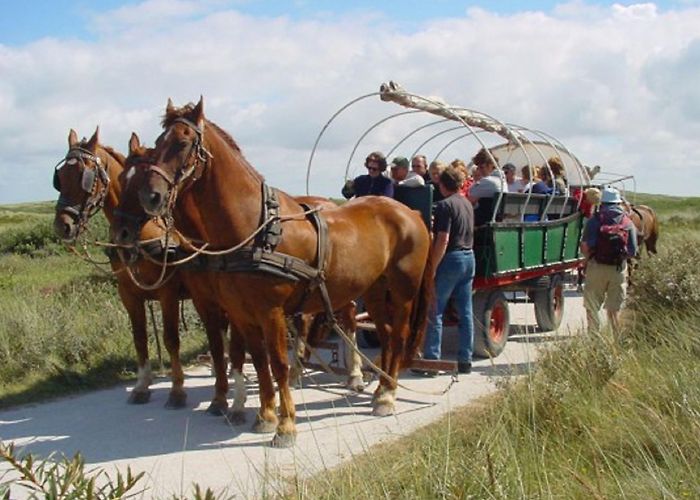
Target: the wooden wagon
(524, 243)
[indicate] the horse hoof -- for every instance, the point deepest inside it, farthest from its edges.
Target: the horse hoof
(263, 426)
(355, 384)
(236, 417)
(176, 401)
(217, 409)
(283, 441)
(140, 397)
(383, 410)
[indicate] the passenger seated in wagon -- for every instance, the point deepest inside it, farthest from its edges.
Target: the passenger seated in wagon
(371, 183)
(436, 168)
(558, 183)
(401, 176)
(490, 182)
(515, 184)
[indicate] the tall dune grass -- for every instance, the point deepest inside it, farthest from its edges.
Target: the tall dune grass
(62, 325)
(606, 416)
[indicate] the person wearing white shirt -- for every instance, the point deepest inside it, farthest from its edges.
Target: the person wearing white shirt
(401, 175)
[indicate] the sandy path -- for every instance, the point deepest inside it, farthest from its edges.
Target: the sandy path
(179, 447)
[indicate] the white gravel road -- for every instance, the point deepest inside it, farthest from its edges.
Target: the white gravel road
(177, 448)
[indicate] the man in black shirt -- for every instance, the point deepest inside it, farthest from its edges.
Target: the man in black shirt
(452, 250)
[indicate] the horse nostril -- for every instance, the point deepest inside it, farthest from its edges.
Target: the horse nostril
(124, 235)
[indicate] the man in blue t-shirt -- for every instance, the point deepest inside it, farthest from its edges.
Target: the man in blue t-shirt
(605, 282)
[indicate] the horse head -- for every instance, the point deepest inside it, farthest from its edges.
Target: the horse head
(129, 217)
(83, 182)
(180, 157)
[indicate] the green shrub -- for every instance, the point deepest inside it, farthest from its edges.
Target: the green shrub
(34, 238)
(670, 284)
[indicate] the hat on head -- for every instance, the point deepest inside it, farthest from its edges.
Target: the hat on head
(508, 166)
(610, 195)
(399, 161)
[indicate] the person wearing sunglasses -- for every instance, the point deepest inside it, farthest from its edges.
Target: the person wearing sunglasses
(371, 183)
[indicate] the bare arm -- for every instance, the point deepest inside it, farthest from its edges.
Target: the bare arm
(585, 249)
(440, 246)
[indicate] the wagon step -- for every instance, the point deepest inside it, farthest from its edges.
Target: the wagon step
(440, 365)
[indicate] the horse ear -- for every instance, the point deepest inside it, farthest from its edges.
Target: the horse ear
(92, 143)
(134, 143)
(198, 112)
(72, 138)
(169, 108)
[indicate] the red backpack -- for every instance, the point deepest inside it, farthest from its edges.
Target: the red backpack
(611, 247)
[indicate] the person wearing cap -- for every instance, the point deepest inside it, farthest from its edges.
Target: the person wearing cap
(373, 182)
(515, 184)
(402, 176)
(606, 284)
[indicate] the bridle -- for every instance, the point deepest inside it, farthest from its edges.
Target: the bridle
(82, 212)
(199, 156)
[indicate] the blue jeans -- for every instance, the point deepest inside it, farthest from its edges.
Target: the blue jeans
(454, 276)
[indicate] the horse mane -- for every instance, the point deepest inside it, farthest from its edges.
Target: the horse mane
(115, 154)
(182, 112)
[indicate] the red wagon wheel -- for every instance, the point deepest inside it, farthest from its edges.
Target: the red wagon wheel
(491, 323)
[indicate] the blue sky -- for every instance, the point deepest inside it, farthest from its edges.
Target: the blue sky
(616, 82)
(25, 21)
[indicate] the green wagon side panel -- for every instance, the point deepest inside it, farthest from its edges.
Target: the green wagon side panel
(504, 248)
(573, 237)
(555, 243)
(507, 245)
(484, 252)
(533, 244)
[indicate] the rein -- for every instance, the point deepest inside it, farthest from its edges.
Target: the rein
(262, 256)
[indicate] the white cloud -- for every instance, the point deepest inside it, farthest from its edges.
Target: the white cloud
(617, 85)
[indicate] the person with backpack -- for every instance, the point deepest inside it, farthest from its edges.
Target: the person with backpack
(609, 239)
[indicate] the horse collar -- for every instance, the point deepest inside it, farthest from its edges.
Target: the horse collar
(272, 235)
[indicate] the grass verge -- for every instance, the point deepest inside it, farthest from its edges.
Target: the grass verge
(606, 416)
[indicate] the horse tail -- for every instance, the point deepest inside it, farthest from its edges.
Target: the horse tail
(419, 311)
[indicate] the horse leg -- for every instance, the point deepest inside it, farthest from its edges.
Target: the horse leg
(301, 324)
(275, 329)
(266, 419)
(353, 362)
(653, 237)
(135, 308)
(171, 316)
(384, 403)
(213, 318)
(376, 303)
(236, 415)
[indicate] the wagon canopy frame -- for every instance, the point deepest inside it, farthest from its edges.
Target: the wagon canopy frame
(530, 146)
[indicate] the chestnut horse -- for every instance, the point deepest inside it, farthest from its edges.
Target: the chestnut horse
(87, 180)
(128, 221)
(90, 178)
(203, 180)
(647, 223)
